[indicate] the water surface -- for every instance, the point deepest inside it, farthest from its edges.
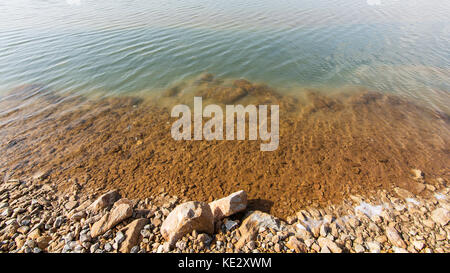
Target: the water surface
(121, 47)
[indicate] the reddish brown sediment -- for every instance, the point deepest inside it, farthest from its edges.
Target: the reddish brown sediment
(330, 146)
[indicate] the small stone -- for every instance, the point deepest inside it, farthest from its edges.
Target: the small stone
(23, 229)
(251, 245)
(120, 237)
(418, 174)
(204, 238)
(94, 247)
(58, 222)
(132, 235)
(34, 234)
(37, 250)
(181, 245)
(230, 225)
(108, 247)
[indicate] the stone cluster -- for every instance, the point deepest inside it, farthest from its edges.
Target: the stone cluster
(37, 217)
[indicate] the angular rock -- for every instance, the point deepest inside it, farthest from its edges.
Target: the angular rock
(327, 243)
(71, 205)
(104, 201)
(133, 234)
(440, 216)
(121, 210)
(403, 193)
(418, 174)
(253, 222)
(229, 205)
(394, 237)
(294, 244)
(186, 218)
(43, 241)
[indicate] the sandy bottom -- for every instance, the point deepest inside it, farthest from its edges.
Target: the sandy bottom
(330, 146)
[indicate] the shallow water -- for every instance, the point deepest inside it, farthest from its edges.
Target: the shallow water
(363, 90)
(117, 47)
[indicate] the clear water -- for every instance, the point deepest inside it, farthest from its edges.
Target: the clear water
(126, 46)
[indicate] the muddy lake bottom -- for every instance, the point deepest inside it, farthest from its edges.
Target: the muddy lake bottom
(331, 145)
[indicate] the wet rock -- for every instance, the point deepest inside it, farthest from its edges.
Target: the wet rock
(417, 174)
(104, 201)
(186, 218)
(229, 205)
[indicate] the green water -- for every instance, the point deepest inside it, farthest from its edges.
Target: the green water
(121, 47)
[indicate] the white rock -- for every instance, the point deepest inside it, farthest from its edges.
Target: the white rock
(441, 216)
(186, 218)
(229, 205)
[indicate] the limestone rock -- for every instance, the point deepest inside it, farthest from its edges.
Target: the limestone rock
(106, 200)
(394, 237)
(186, 218)
(403, 193)
(229, 205)
(253, 222)
(132, 235)
(294, 244)
(43, 241)
(441, 216)
(418, 174)
(121, 210)
(327, 243)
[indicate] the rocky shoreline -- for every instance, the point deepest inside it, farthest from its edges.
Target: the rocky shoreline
(36, 217)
